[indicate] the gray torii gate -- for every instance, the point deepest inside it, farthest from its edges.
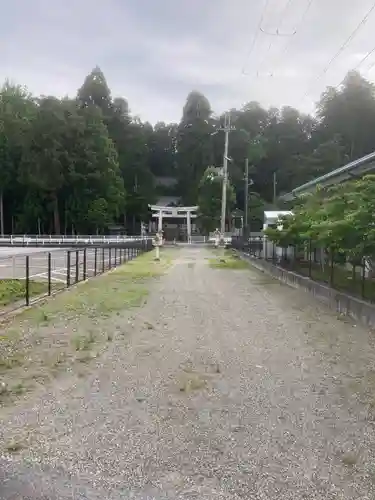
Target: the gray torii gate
(161, 212)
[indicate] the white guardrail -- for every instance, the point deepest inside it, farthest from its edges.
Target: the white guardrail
(66, 240)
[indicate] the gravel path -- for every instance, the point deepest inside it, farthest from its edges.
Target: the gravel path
(226, 385)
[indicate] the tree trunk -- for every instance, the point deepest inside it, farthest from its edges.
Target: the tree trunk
(56, 215)
(2, 212)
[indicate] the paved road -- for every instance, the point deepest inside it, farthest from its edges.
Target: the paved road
(13, 263)
(238, 388)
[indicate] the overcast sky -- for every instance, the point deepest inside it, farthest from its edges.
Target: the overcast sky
(153, 52)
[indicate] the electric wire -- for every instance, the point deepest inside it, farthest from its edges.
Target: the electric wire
(342, 47)
(358, 65)
(284, 50)
(256, 34)
(282, 16)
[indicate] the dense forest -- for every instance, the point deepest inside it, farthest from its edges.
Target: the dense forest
(83, 164)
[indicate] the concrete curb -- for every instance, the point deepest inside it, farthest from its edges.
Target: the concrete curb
(361, 311)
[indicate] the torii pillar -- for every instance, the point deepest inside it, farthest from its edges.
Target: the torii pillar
(160, 221)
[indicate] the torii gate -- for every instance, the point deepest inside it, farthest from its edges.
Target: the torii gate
(187, 213)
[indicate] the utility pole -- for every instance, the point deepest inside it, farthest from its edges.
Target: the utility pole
(227, 128)
(246, 208)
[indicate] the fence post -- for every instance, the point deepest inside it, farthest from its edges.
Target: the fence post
(68, 269)
(110, 258)
(103, 260)
(84, 263)
(27, 284)
(115, 256)
(95, 260)
(310, 261)
(77, 265)
(49, 273)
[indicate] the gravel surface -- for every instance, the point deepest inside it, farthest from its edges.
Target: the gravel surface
(225, 385)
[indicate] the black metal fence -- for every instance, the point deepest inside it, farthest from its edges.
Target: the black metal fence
(334, 269)
(29, 276)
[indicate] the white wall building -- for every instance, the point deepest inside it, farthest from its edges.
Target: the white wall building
(270, 220)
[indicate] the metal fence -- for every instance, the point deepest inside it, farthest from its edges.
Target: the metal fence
(33, 273)
(332, 268)
(60, 240)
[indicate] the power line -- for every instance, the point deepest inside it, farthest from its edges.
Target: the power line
(365, 59)
(360, 64)
(277, 33)
(372, 65)
(256, 34)
(284, 11)
(343, 47)
(297, 28)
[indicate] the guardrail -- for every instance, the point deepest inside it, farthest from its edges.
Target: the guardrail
(53, 240)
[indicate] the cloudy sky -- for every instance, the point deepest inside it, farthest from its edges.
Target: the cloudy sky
(153, 52)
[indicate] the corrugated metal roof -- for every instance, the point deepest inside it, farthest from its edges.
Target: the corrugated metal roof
(353, 169)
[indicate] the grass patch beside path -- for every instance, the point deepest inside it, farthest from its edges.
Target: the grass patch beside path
(74, 327)
(12, 290)
(117, 290)
(230, 260)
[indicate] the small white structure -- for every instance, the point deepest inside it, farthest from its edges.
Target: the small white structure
(271, 217)
(164, 212)
(270, 220)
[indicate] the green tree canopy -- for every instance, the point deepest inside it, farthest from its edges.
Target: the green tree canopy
(339, 219)
(64, 162)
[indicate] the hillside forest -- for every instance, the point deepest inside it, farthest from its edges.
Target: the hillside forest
(82, 164)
